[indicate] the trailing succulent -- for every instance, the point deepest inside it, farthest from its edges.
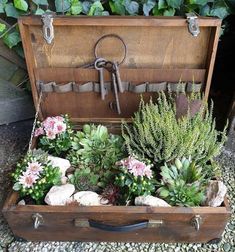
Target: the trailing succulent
(157, 135)
(35, 175)
(182, 183)
(95, 148)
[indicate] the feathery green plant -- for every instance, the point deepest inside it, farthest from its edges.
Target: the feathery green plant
(156, 134)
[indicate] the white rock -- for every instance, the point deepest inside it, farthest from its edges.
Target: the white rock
(88, 198)
(150, 201)
(215, 193)
(64, 180)
(62, 163)
(21, 203)
(58, 195)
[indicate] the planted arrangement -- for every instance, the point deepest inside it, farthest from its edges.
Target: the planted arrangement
(55, 135)
(165, 158)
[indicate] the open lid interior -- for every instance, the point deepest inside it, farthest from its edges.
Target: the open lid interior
(158, 50)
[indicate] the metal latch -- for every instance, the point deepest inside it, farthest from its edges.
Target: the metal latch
(48, 29)
(38, 220)
(155, 223)
(196, 222)
(193, 26)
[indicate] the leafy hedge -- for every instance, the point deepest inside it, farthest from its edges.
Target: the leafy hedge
(12, 9)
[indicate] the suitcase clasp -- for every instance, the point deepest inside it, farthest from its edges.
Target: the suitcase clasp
(38, 220)
(196, 222)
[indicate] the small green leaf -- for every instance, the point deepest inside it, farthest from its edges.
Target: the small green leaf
(62, 6)
(117, 7)
(76, 7)
(12, 39)
(40, 2)
(16, 186)
(11, 11)
(198, 2)
(96, 6)
(148, 6)
(132, 7)
(163, 193)
(169, 12)
(39, 11)
(86, 5)
(205, 10)
(21, 5)
(162, 4)
(219, 9)
(157, 12)
(175, 3)
(2, 27)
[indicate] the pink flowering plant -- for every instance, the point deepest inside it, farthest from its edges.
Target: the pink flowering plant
(55, 135)
(135, 178)
(34, 176)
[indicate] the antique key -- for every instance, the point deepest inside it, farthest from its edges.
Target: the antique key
(116, 92)
(98, 66)
(118, 78)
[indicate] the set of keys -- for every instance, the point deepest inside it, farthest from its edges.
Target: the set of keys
(100, 64)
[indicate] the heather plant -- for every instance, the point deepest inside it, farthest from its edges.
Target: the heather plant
(135, 178)
(35, 175)
(55, 135)
(156, 133)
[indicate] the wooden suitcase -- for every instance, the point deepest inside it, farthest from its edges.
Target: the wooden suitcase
(159, 50)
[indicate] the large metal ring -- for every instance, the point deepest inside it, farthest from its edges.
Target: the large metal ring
(114, 36)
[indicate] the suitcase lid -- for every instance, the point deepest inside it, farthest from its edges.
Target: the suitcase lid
(159, 49)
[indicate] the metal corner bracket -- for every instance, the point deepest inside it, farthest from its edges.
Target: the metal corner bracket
(48, 29)
(193, 26)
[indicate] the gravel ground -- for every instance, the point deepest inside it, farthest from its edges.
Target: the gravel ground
(14, 139)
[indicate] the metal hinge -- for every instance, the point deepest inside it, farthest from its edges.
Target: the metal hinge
(48, 29)
(193, 26)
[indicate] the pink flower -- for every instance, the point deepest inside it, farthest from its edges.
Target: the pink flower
(137, 168)
(148, 172)
(59, 118)
(50, 134)
(59, 127)
(39, 132)
(34, 168)
(49, 123)
(27, 179)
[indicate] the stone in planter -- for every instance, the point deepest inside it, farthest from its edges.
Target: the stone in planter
(215, 193)
(59, 195)
(88, 198)
(62, 163)
(150, 201)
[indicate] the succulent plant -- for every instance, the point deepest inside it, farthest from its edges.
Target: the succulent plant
(111, 193)
(84, 179)
(182, 183)
(95, 148)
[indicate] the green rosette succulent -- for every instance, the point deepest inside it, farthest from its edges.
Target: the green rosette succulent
(182, 183)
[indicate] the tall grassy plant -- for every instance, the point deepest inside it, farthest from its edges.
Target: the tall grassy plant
(156, 133)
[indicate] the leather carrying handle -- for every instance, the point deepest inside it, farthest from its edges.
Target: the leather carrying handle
(120, 229)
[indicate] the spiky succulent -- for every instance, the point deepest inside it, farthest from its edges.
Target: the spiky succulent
(182, 183)
(96, 148)
(84, 179)
(111, 193)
